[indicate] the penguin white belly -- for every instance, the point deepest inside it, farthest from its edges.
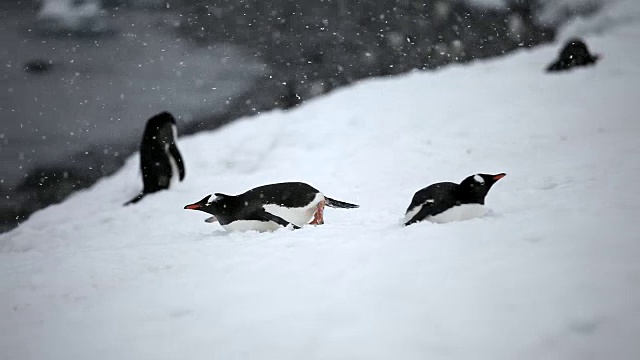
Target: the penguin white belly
(459, 213)
(251, 225)
(175, 172)
(300, 216)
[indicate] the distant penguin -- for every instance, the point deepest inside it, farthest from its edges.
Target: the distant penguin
(575, 53)
(38, 66)
(269, 207)
(291, 98)
(160, 161)
(446, 201)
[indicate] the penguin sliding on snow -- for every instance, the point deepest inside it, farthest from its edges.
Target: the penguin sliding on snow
(268, 207)
(446, 201)
(160, 160)
(575, 53)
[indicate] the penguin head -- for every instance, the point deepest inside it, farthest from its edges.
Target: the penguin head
(214, 207)
(161, 128)
(474, 188)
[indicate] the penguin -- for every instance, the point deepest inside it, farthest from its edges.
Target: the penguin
(269, 207)
(446, 201)
(574, 53)
(160, 160)
(38, 66)
(291, 98)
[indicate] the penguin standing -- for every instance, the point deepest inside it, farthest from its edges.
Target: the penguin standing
(268, 207)
(446, 201)
(575, 53)
(160, 160)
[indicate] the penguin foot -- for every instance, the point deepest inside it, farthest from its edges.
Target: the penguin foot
(318, 216)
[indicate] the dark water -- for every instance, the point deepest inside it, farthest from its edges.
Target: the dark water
(78, 112)
(101, 90)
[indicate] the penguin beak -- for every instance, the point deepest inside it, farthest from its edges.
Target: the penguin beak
(199, 204)
(195, 206)
(498, 176)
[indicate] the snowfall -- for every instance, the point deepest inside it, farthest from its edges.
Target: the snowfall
(551, 272)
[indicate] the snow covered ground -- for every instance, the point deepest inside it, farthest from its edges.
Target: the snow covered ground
(552, 272)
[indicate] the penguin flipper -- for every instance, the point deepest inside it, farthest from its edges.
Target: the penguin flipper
(135, 199)
(426, 210)
(173, 150)
(276, 219)
(556, 66)
(211, 220)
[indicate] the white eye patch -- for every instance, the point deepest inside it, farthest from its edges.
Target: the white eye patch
(214, 200)
(478, 179)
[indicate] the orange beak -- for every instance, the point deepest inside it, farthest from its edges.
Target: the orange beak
(198, 205)
(195, 206)
(499, 176)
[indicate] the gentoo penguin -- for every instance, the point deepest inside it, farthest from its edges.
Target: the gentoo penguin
(446, 201)
(160, 160)
(574, 53)
(268, 207)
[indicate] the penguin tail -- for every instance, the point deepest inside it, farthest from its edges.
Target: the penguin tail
(135, 199)
(339, 204)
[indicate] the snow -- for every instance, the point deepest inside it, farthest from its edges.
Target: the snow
(614, 13)
(556, 12)
(551, 272)
(72, 15)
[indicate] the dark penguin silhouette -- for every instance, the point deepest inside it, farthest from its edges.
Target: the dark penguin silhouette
(269, 207)
(575, 53)
(160, 159)
(446, 201)
(291, 98)
(38, 66)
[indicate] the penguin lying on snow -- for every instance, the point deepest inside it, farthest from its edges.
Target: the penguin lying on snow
(574, 53)
(268, 207)
(160, 160)
(447, 201)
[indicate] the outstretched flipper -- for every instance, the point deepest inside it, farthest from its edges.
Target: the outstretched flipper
(276, 219)
(135, 199)
(339, 204)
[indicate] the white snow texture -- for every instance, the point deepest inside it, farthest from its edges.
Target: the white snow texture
(551, 272)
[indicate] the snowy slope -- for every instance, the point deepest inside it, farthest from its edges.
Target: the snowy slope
(551, 273)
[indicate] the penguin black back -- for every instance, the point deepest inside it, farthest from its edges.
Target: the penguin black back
(160, 159)
(574, 53)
